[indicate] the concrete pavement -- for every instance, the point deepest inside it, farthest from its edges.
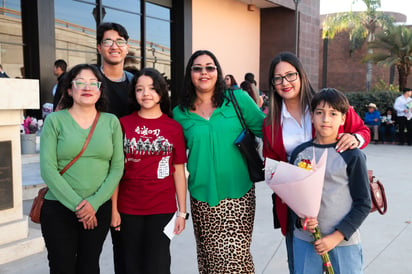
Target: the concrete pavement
(386, 240)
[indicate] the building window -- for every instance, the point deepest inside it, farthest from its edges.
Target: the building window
(11, 44)
(76, 35)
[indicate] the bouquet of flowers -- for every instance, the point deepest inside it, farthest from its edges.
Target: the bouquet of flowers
(30, 125)
(302, 192)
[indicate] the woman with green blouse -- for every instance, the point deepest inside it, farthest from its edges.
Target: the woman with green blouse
(76, 213)
(222, 197)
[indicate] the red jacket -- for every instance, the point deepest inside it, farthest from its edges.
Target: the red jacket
(275, 149)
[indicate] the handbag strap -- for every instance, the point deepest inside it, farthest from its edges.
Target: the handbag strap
(237, 109)
(84, 146)
(385, 204)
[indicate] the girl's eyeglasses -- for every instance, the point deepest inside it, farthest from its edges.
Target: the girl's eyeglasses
(209, 69)
(290, 77)
(82, 85)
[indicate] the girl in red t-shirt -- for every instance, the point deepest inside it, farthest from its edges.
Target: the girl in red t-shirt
(154, 176)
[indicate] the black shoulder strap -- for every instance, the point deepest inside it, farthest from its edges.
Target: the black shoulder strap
(237, 109)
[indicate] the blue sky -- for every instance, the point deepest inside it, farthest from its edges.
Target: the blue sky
(401, 6)
(79, 13)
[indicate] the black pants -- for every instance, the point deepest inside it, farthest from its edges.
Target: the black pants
(145, 248)
(72, 249)
(117, 252)
(403, 122)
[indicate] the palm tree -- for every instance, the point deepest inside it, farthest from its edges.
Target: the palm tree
(361, 27)
(394, 47)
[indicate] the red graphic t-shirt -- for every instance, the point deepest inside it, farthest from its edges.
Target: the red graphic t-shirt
(151, 147)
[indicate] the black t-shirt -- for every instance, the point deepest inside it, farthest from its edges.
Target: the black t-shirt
(117, 97)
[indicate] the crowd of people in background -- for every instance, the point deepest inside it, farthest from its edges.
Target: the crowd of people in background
(389, 127)
(138, 184)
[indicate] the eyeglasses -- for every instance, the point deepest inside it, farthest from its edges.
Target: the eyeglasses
(290, 77)
(119, 42)
(209, 69)
(82, 85)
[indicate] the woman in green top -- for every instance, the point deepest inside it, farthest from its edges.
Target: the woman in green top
(221, 194)
(76, 213)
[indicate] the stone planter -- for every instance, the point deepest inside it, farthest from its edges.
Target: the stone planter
(28, 143)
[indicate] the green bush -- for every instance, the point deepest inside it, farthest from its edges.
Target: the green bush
(382, 99)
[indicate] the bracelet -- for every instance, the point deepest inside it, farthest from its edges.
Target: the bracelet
(356, 137)
(305, 223)
(184, 215)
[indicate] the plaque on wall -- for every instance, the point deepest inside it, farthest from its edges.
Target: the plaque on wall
(6, 176)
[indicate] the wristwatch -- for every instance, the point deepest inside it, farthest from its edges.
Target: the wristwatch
(183, 215)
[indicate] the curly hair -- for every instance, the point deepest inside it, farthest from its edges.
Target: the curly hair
(186, 101)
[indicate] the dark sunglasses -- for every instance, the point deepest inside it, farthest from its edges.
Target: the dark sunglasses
(209, 69)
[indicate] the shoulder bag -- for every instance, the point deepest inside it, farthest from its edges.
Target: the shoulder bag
(39, 199)
(246, 142)
(378, 195)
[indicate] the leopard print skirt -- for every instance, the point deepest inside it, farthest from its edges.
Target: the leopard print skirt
(224, 233)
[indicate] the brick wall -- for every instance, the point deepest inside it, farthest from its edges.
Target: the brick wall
(278, 34)
(308, 42)
(347, 72)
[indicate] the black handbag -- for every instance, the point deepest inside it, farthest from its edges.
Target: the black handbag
(246, 142)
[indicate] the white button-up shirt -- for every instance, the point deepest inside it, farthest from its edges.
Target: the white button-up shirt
(295, 133)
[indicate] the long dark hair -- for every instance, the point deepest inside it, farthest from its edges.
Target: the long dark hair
(186, 101)
(232, 80)
(247, 86)
(159, 84)
(67, 100)
(306, 92)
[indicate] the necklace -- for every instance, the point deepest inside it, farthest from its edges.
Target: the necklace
(205, 114)
(122, 79)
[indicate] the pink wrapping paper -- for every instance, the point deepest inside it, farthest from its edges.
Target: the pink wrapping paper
(299, 188)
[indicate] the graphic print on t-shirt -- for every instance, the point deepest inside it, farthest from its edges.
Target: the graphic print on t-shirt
(149, 143)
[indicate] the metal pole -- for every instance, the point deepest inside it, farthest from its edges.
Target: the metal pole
(296, 27)
(143, 33)
(97, 12)
(325, 63)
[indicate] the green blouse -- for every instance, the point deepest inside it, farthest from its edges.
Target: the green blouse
(95, 175)
(217, 169)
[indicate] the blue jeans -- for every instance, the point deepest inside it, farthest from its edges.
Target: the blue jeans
(387, 130)
(344, 259)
